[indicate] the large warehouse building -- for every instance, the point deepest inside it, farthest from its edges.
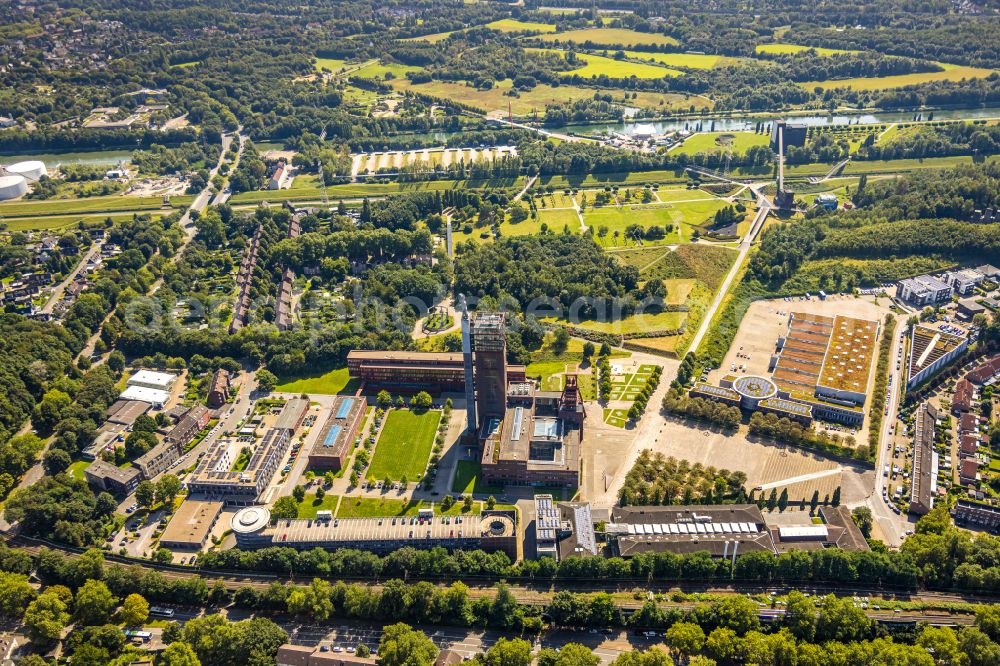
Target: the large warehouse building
(821, 368)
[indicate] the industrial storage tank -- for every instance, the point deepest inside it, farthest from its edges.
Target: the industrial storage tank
(12, 187)
(30, 169)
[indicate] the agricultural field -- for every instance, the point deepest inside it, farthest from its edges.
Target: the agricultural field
(513, 25)
(712, 142)
(785, 49)
(689, 60)
(949, 73)
(404, 445)
(595, 65)
(610, 37)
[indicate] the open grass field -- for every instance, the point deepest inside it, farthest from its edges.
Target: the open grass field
(310, 506)
(595, 65)
(667, 194)
(708, 264)
(617, 218)
(611, 37)
(548, 366)
(432, 39)
(306, 192)
(404, 445)
(617, 178)
(495, 99)
(109, 204)
(784, 49)
(632, 324)
(949, 73)
(713, 142)
(689, 60)
(513, 25)
(467, 480)
(378, 70)
(332, 64)
(557, 219)
(64, 221)
(333, 382)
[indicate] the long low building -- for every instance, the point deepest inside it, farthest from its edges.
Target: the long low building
(410, 372)
(331, 448)
(191, 525)
(489, 531)
(923, 474)
(723, 531)
(930, 350)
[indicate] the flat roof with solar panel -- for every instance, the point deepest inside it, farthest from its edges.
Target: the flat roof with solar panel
(330, 449)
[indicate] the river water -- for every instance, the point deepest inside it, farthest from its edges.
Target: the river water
(109, 157)
(744, 124)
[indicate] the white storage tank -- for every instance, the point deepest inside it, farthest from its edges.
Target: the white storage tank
(30, 169)
(12, 187)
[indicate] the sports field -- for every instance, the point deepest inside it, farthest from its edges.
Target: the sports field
(690, 60)
(611, 37)
(513, 25)
(404, 445)
(784, 49)
(948, 73)
(713, 142)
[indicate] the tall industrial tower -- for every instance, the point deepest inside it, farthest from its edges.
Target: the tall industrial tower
(471, 424)
(489, 346)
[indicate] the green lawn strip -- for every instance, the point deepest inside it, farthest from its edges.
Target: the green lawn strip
(76, 469)
(355, 190)
(376, 507)
(109, 204)
(714, 142)
(332, 382)
(467, 480)
(404, 445)
(309, 507)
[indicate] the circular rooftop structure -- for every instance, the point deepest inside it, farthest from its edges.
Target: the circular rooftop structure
(251, 519)
(497, 526)
(30, 169)
(755, 388)
(12, 187)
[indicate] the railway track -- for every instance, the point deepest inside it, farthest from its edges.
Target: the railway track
(540, 593)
